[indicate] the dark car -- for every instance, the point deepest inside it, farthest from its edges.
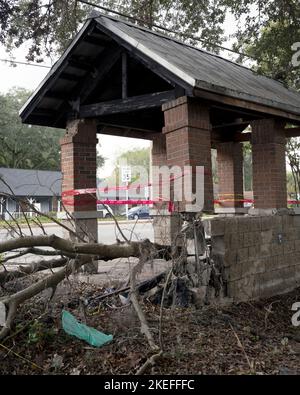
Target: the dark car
(138, 212)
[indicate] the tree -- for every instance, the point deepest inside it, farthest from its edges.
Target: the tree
(247, 167)
(137, 159)
(49, 26)
(266, 31)
(293, 156)
(25, 146)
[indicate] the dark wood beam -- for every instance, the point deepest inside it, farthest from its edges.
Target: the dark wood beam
(123, 131)
(94, 40)
(248, 105)
(292, 132)
(130, 104)
(232, 127)
(102, 66)
(82, 65)
(124, 76)
(58, 95)
(156, 68)
(217, 136)
(68, 77)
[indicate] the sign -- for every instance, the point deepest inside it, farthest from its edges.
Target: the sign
(126, 173)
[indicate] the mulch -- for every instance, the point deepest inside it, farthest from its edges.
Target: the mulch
(246, 338)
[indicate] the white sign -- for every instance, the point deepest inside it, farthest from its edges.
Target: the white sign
(126, 173)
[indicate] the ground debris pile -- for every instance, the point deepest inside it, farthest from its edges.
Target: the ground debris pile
(248, 338)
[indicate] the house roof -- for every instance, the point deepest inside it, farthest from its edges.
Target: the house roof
(190, 67)
(23, 182)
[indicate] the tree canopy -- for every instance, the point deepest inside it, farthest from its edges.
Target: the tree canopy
(25, 146)
(49, 26)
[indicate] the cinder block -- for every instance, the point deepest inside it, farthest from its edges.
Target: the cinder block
(288, 247)
(266, 236)
(270, 263)
(235, 241)
(231, 225)
(254, 251)
(218, 245)
(234, 272)
(217, 227)
(249, 239)
(242, 254)
(266, 250)
(276, 249)
(244, 289)
(259, 265)
(291, 234)
(255, 224)
(296, 220)
(244, 224)
(266, 222)
(287, 222)
(252, 267)
(230, 257)
(277, 223)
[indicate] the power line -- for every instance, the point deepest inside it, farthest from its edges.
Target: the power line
(185, 35)
(25, 63)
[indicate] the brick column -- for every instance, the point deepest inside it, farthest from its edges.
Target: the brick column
(269, 165)
(79, 166)
(230, 174)
(188, 141)
(165, 224)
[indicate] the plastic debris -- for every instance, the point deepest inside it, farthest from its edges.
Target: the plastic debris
(83, 332)
(124, 300)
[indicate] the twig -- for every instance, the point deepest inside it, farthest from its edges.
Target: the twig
(162, 306)
(144, 325)
(117, 224)
(19, 356)
(150, 361)
(242, 347)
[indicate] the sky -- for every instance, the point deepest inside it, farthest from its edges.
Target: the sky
(30, 77)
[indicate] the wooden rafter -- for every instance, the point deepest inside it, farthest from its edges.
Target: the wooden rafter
(130, 104)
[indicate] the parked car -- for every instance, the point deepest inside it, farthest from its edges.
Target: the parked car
(106, 213)
(138, 212)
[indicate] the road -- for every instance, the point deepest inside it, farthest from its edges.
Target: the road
(107, 231)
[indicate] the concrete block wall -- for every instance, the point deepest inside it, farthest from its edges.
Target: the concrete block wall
(261, 254)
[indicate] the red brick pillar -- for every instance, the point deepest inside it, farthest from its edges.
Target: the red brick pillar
(79, 166)
(230, 174)
(188, 141)
(165, 224)
(269, 165)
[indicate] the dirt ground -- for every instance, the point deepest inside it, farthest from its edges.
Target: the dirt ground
(246, 338)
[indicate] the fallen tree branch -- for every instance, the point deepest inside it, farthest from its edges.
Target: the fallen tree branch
(104, 252)
(25, 270)
(142, 288)
(144, 325)
(13, 301)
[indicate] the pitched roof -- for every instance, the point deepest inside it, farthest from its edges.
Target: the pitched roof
(30, 182)
(196, 68)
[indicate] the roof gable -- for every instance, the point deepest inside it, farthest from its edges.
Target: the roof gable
(178, 64)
